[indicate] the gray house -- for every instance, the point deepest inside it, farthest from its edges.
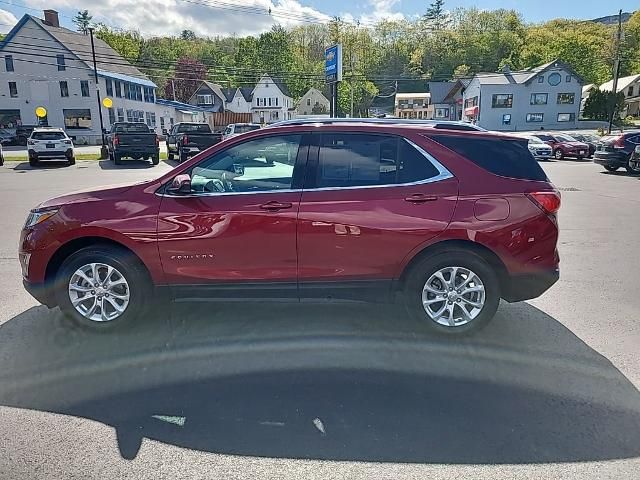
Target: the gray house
(540, 98)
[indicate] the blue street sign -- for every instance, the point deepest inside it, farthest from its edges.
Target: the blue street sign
(333, 63)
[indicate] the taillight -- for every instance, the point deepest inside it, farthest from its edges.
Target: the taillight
(157, 141)
(549, 202)
(185, 139)
(116, 140)
(619, 142)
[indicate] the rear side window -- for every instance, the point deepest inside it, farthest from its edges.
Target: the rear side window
(507, 158)
(48, 136)
(358, 160)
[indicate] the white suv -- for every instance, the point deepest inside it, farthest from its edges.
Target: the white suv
(49, 143)
(236, 129)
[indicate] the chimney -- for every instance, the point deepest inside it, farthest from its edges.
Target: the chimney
(51, 18)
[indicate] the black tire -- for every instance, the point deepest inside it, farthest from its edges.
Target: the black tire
(633, 170)
(169, 155)
(71, 161)
(558, 154)
(1, 160)
(117, 159)
(610, 168)
(155, 160)
(182, 156)
(580, 158)
(127, 264)
(33, 162)
(420, 273)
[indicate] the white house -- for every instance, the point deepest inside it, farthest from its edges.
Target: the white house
(271, 102)
(412, 105)
(631, 87)
(45, 65)
(544, 97)
(215, 98)
(313, 102)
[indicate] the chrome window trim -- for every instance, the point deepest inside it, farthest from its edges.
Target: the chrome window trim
(443, 174)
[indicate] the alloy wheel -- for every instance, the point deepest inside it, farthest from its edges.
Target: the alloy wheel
(99, 292)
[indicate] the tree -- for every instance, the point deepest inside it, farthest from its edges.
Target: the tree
(436, 16)
(319, 109)
(188, 75)
(83, 21)
(188, 35)
(461, 71)
(597, 106)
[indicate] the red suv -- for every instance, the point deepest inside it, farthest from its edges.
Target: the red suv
(564, 146)
(447, 222)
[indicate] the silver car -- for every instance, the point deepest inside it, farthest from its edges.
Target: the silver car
(539, 149)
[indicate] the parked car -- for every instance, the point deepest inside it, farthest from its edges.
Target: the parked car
(447, 222)
(134, 140)
(185, 139)
(614, 151)
(46, 143)
(587, 138)
(23, 132)
(564, 146)
(8, 136)
(539, 149)
(235, 129)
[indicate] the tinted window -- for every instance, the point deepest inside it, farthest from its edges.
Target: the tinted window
(354, 160)
(246, 128)
(262, 164)
(545, 138)
(565, 138)
(132, 128)
(194, 127)
(507, 158)
(48, 136)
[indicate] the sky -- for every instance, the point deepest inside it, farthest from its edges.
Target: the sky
(248, 17)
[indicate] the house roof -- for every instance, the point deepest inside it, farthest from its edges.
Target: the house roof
(229, 93)
(522, 76)
(588, 87)
(623, 83)
(440, 90)
(215, 88)
(283, 88)
(247, 93)
(79, 44)
(183, 107)
(312, 90)
(402, 96)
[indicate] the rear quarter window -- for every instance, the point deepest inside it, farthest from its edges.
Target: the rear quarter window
(504, 157)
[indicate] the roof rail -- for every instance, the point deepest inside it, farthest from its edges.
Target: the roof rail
(444, 124)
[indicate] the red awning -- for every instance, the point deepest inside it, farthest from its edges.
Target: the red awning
(471, 111)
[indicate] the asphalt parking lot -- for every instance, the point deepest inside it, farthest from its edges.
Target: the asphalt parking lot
(548, 390)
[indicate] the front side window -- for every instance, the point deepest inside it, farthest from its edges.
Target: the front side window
(566, 98)
(13, 89)
(502, 100)
(79, 118)
(64, 89)
(258, 165)
(8, 63)
(539, 98)
(84, 88)
(535, 117)
(566, 117)
(61, 63)
(360, 160)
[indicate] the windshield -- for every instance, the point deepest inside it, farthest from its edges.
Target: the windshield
(319, 240)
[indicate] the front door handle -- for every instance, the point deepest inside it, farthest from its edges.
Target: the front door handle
(274, 206)
(420, 198)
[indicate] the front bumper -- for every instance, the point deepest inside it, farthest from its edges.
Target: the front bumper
(532, 285)
(41, 292)
(50, 154)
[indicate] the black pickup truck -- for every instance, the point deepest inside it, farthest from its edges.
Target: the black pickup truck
(185, 139)
(133, 140)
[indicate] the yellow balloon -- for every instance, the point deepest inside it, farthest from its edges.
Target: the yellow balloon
(41, 112)
(107, 102)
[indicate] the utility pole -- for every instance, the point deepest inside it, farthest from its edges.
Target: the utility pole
(103, 148)
(616, 72)
(173, 89)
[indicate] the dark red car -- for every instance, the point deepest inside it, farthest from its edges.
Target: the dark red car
(446, 222)
(564, 146)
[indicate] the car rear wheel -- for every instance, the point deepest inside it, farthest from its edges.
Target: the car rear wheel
(33, 161)
(182, 156)
(117, 159)
(155, 159)
(454, 292)
(102, 287)
(633, 166)
(558, 154)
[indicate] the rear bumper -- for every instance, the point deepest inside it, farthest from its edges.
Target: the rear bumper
(611, 159)
(68, 153)
(525, 287)
(126, 151)
(41, 292)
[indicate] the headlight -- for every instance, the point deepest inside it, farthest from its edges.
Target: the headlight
(37, 216)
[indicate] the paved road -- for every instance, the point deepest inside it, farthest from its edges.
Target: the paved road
(548, 390)
(20, 151)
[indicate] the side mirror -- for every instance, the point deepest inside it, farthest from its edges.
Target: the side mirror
(181, 184)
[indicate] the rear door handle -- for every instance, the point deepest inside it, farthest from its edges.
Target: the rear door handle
(420, 198)
(275, 206)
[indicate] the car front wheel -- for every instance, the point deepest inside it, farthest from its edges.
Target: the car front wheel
(558, 154)
(454, 292)
(102, 287)
(633, 166)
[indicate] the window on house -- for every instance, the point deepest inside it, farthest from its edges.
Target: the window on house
(535, 117)
(308, 102)
(566, 117)
(139, 93)
(506, 119)
(630, 91)
(568, 79)
(269, 101)
(171, 121)
(129, 115)
(276, 99)
(61, 63)
(109, 83)
(441, 113)
(566, 98)
(151, 119)
(539, 98)
(84, 88)
(541, 79)
(112, 116)
(204, 100)
(162, 122)
(13, 89)
(64, 89)
(471, 102)
(117, 86)
(8, 63)
(77, 118)
(120, 114)
(148, 94)
(127, 95)
(502, 100)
